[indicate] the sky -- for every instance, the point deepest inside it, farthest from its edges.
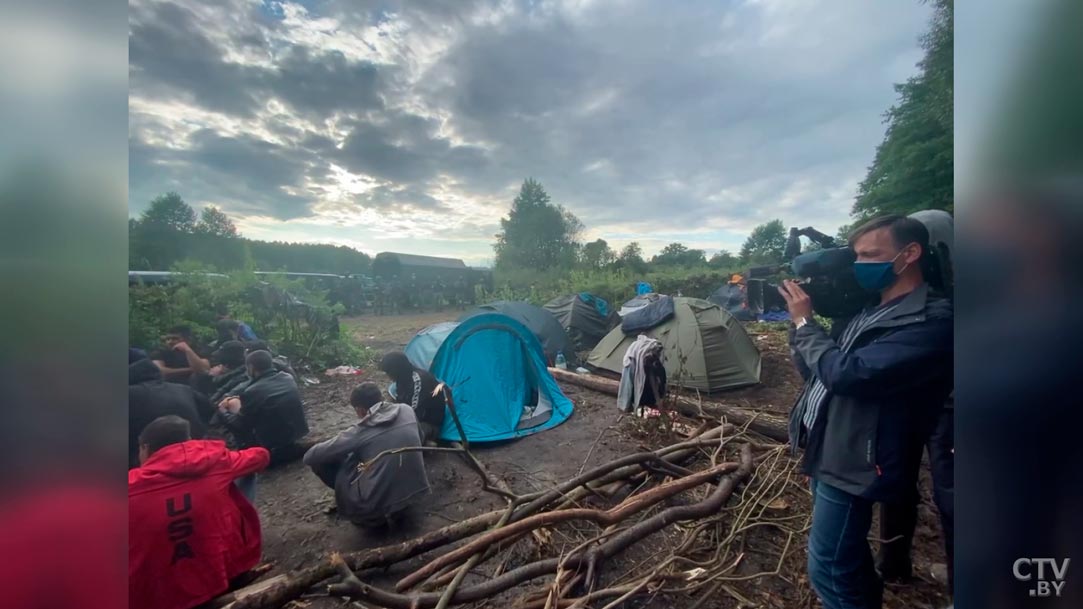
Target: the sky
(409, 126)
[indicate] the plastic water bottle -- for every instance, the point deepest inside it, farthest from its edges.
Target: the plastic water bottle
(561, 362)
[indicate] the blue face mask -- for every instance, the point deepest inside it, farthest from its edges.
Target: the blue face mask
(875, 276)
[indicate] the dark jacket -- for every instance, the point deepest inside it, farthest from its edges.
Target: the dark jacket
(226, 383)
(383, 487)
(149, 397)
(883, 396)
(414, 387)
(271, 415)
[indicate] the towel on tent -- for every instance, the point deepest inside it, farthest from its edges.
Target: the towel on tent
(642, 358)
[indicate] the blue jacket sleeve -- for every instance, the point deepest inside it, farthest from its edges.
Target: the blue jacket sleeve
(894, 362)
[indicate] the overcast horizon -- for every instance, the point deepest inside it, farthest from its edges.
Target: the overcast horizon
(409, 126)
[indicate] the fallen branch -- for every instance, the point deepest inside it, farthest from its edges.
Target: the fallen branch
(771, 426)
(355, 588)
(571, 491)
(609, 517)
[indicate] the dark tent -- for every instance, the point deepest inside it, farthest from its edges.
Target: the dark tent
(585, 317)
(749, 303)
(541, 324)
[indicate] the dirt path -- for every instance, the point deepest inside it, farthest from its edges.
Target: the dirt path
(297, 531)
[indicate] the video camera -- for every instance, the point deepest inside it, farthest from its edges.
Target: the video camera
(827, 274)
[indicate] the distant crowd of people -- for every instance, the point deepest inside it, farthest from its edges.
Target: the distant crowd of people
(204, 422)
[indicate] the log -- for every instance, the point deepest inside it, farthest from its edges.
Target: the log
(358, 590)
(769, 425)
(632, 505)
(571, 491)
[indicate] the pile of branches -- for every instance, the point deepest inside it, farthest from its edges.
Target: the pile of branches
(708, 492)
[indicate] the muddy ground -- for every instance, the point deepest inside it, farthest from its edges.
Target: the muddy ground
(298, 531)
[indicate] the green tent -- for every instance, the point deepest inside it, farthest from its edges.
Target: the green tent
(716, 351)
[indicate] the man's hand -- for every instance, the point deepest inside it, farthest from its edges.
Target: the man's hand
(182, 347)
(232, 405)
(797, 301)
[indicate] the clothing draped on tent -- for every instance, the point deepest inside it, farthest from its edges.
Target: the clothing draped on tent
(643, 378)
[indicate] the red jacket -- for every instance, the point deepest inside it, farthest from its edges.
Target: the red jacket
(189, 529)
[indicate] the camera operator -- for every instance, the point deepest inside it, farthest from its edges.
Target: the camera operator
(871, 401)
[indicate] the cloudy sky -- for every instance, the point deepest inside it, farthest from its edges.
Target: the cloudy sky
(409, 126)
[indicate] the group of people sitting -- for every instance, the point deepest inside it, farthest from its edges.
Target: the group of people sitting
(202, 428)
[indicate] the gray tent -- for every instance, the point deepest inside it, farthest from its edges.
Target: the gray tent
(541, 324)
(582, 317)
(704, 348)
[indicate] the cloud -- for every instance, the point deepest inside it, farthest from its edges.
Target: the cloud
(696, 120)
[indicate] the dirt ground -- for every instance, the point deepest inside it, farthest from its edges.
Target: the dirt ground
(297, 530)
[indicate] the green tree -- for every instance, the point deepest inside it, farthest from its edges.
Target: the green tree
(766, 243)
(597, 254)
(678, 254)
(214, 221)
(913, 168)
(537, 234)
(631, 258)
(723, 260)
(169, 211)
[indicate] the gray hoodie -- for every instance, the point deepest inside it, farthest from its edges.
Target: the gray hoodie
(386, 486)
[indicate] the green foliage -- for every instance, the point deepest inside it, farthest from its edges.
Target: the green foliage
(678, 254)
(536, 233)
(631, 258)
(913, 168)
(307, 333)
(723, 260)
(170, 211)
(766, 244)
(597, 255)
(214, 221)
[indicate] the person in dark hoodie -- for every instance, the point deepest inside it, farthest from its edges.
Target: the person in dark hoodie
(414, 387)
(150, 397)
(372, 493)
(870, 403)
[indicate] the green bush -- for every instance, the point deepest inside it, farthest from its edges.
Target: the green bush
(305, 330)
(615, 285)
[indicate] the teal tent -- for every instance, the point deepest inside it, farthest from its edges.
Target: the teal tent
(498, 377)
(424, 345)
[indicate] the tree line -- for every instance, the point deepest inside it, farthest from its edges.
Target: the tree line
(169, 232)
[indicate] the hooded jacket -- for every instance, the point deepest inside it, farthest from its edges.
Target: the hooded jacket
(150, 397)
(189, 529)
(414, 387)
(272, 415)
(383, 487)
(883, 396)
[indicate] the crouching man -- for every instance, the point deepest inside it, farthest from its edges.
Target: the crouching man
(371, 493)
(190, 530)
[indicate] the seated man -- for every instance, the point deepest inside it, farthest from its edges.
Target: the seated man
(244, 332)
(227, 373)
(414, 387)
(181, 357)
(372, 496)
(267, 411)
(149, 397)
(282, 363)
(190, 531)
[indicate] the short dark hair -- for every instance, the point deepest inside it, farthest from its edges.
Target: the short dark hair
(257, 345)
(230, 353)
(366, 395)
(904, 231)
(260, 361)
(164, 431)
(227, 325)
(181, 330)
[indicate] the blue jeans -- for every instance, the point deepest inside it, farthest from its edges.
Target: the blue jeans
(840, 564)
(247, 486)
